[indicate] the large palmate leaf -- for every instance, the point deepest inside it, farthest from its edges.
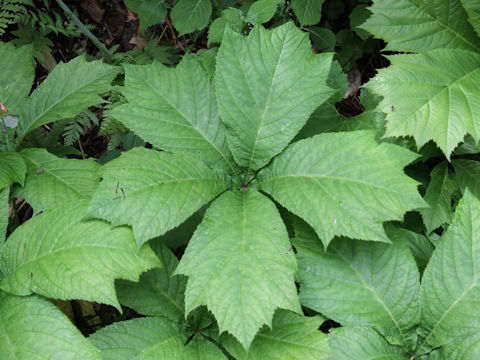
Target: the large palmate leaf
(439, 197)
(190, 15)
(343, 184)
(52, 181)
(438, 93)
(12, 169)
(240, 264)
(153, 191)
(360, 283)
(16, 76)
(450, 291)
(292, 336)
(417, 25)
(268, 84)
(355, 343)
(158, 293)
(308, 12)
(61, 256)
(472, 7)
(175, 110)
(69, 89)
(140, 339)
(31, 328)
(468, 175)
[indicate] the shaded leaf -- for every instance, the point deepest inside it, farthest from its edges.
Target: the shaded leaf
(355, 342)
(32, 328)
(308, 12)
(150, 12)
(144, 338)
(468, 175)
(472, 7)
(200, 348)
(291, 337)
(439, 197)
(158, 293)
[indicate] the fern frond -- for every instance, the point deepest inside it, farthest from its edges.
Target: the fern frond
(78, 126)
(11, 11)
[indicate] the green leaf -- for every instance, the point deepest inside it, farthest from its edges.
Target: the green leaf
(439, 197)
(327, 118)
(343, 184)
(32, 328)
(150, 12)
(323, 39)
(158, 293)
(240, 264)
(291, 337)
(16, 76)
(153, 191)
(69, 89)
(144, 338)
(468, 175)
(417, 26)
(268, 84)
(355, 343)
(262, 11)
(201, 349)
(52, 181)
(472, 7)
(357, 17)
(175, 110)
(12, 169)
(231, 18)
(438, 96)
(4, 205)
(58, 255)
(308, 12)
(360, 283)
(450, 290)
(190, 15)
(420, 246)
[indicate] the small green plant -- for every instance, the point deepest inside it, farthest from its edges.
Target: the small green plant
(285, 213)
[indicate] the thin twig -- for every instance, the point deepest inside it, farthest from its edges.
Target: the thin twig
(81, 149)
(101, 46)
(172, 31)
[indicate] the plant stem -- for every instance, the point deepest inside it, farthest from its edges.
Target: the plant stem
(101, 46)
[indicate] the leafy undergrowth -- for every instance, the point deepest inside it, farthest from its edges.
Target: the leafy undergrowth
(246, 200)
